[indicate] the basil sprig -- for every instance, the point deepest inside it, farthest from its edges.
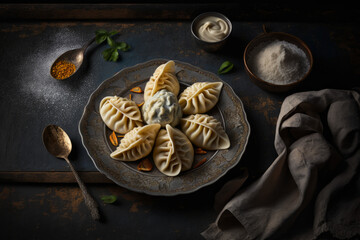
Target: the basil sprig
(225, 67)
(111, 53)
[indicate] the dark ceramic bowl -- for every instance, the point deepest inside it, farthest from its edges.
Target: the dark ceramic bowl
(268, 37)
(209, 46)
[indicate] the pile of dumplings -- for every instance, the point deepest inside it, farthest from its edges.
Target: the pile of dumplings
(167, 126)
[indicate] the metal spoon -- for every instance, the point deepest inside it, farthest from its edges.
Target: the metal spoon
(58, 143)
(75, 56)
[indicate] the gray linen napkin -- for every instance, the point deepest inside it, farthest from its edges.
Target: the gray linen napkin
(315, 177)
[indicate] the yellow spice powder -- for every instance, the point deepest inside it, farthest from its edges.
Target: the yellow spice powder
(62, 69)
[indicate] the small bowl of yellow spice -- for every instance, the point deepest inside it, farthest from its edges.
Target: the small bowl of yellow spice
(211, 30)
(277, 61)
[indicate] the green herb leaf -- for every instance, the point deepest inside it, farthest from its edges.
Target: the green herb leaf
(114, 56)
(112, 33)
(123, 46)
(101, 31)
(102, 35)
(107, 53)
(111, 42)
(109, 198)
(100, 38)
(110, 54)
(225, 67)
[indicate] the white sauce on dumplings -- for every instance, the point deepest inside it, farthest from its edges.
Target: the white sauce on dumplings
(162, 108)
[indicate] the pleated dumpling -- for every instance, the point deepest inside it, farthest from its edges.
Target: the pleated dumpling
(173, 152)
(205, 131)
(120, 114)
(137, 143)
(200, 97)
(163, 78)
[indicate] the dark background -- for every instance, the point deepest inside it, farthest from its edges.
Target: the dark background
(27, 30)
(304, 11)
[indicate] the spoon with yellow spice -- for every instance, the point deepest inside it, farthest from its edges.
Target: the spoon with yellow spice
(69, 62)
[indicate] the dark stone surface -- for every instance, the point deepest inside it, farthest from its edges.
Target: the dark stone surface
(30, 99)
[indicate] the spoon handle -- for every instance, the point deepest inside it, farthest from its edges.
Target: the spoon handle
(87, 44)
(89, 201)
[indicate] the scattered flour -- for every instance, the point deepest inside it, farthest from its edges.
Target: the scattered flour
(279, 62)
(40, 92)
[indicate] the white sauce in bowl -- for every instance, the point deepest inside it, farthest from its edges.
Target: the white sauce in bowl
(212, 29)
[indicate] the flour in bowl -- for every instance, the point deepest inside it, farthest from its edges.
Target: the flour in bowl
(278, 62)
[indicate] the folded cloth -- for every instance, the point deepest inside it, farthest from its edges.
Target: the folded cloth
(315, 178)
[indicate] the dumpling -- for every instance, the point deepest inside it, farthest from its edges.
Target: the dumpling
(137, 143)
(162, 108)
(200, 97)
(163, 78)
(205, 131)
(120, 114)
(173, 152)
